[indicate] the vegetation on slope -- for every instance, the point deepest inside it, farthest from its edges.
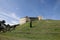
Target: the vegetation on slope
(41, 30)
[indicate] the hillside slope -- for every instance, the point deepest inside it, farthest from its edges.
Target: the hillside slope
(41, 30)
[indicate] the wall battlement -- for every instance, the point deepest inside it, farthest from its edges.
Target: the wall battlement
(27, 19)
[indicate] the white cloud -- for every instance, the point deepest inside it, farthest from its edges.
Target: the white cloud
(8, 17)
(11, 15)
(14, 16)
(12, 22)
(15, 22)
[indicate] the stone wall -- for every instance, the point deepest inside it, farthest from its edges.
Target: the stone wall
(39, 18)
(27, 19)
(22, 21)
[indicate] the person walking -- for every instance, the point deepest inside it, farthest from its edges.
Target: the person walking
(30, 23)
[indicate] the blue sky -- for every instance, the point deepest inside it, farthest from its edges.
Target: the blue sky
(13, 10)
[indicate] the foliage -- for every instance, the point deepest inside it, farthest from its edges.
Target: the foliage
(41, 30)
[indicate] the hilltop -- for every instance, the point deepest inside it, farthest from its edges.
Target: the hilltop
(41, 30)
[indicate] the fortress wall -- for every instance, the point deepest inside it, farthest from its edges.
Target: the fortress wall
(22, 21)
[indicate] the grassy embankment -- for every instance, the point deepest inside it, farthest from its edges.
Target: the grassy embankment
(41, 30)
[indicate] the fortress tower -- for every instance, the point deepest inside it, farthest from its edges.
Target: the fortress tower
(39, 18)
(27, 19)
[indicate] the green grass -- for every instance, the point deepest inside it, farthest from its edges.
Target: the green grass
(41, 30)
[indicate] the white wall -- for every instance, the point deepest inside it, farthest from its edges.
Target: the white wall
(22, 21)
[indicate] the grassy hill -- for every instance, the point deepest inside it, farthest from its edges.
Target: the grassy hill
(41, 30)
